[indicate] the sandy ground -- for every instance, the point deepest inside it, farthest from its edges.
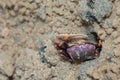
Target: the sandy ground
(25, 23)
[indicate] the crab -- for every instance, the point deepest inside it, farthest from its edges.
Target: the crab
(81, 48)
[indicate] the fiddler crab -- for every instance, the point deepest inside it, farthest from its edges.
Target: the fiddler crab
(77, 52)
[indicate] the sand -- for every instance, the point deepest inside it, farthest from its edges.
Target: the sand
(27, 25)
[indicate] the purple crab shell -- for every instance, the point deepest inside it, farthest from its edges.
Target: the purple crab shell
(81, 52)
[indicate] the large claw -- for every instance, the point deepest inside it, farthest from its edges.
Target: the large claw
(71, 36)
(61, 38)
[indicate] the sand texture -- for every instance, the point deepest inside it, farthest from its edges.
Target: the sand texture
(28, 25)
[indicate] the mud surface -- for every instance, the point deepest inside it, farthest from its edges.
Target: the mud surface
(27, 25)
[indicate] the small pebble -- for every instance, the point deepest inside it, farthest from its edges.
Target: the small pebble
(109, 31)
(100, 32)
(27, 12)
(22, 10)
(41, 12)
(105, 25)
(3, 4)
(114, 34)
(90, 71)
(96, 75)
(117, 40)
(9, 4)
(34, 5)
(116, 69)
(21, 18)
(12, 13)
(5, 32)
(16, 8)
(103, 36)
(6, 64)
(116, 23)
(116, 53)
(118, 10)
(31, 24)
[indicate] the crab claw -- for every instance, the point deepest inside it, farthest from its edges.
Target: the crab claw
(66, 37)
